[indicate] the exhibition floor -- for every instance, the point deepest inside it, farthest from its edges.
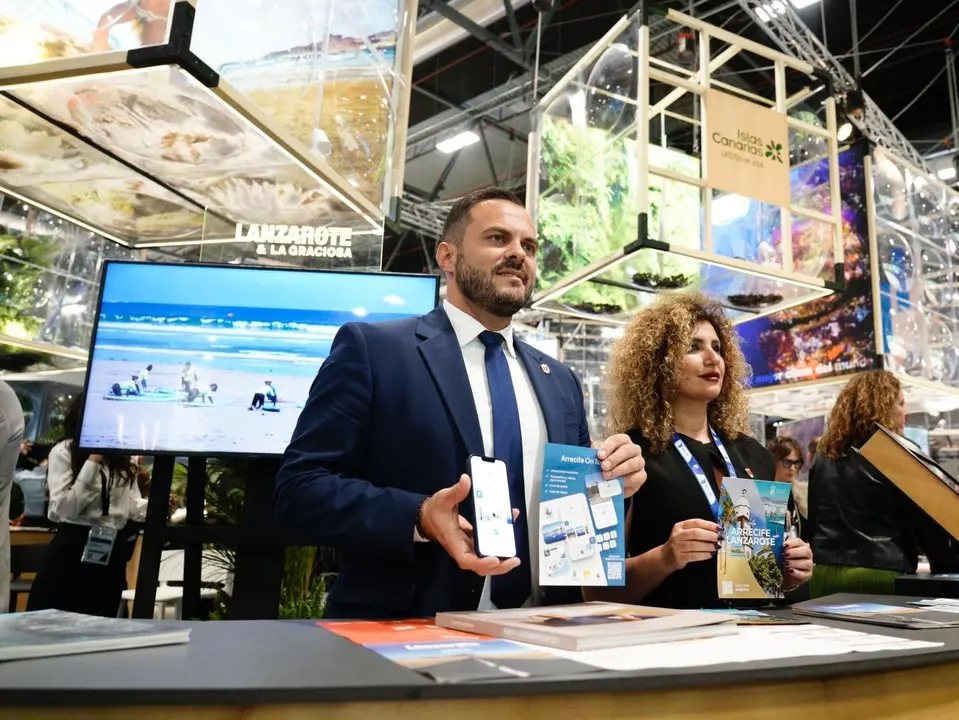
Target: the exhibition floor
(292, 669)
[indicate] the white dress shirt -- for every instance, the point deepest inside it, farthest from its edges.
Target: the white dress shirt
(78, 501)
(532, 425)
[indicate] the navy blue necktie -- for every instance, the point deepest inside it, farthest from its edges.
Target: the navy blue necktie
(512, 589)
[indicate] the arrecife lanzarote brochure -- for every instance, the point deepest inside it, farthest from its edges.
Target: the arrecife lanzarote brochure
(750, 561)
(581, 520)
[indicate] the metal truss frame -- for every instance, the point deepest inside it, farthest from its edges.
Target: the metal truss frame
(793, 36)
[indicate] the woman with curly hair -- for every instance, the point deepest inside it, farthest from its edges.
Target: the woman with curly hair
(863, 530)
(677, 388)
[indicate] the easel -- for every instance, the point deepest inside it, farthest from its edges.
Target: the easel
(259, 559)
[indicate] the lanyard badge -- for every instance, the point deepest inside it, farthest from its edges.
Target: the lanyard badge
(103, 535)
(697, 470)
(99, 545)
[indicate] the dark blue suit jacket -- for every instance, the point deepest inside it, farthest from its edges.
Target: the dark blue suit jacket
(390, 420)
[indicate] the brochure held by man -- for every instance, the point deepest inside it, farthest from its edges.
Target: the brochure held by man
(581, 520)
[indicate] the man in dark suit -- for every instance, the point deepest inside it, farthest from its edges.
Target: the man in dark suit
(397, 408)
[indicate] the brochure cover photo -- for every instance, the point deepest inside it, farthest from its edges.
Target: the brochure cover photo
(581, 520)
(753, 516)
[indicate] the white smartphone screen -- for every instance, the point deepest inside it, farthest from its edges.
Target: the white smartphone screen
(493, 529)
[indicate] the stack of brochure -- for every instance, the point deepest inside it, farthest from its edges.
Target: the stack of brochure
(47, 633)
(591, 626)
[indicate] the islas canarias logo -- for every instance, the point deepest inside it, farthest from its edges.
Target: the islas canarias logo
(748, 148)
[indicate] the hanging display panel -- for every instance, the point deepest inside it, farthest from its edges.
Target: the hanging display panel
(626, 206)
(239, 111)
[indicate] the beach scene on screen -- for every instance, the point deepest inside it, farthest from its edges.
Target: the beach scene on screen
(219, 360)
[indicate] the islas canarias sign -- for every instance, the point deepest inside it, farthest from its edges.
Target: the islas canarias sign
(747, 149)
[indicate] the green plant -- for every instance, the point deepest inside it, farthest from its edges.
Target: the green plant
(304, 583)
(21, 291)
(767, 572)
(589, 211)
(303, 592)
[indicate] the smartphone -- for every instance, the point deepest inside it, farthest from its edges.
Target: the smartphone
(493, 534)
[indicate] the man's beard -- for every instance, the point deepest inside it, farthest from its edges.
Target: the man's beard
(478, 287)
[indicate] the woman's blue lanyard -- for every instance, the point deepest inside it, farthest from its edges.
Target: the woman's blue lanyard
(697, 469)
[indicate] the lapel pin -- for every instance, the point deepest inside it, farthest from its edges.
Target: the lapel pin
(545, 368)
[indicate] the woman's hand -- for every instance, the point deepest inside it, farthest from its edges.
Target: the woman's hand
(797, 563)
(690, 541)
(95, 459)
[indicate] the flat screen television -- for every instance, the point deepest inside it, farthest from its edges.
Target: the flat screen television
(219, 359)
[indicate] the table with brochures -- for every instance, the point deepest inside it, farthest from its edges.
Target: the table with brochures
(295, 669)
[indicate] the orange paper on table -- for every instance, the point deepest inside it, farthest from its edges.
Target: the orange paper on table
(384, 632)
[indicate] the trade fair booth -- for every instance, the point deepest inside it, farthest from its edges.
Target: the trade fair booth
(170, 169)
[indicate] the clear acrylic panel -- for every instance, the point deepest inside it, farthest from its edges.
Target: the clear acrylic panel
(323, 69)
(589, 208)
(35, 31)
(747, 229)
(675, 209)
(163, 120)
(809, 183)
(49, 275)
(636, 281)
(45, 163)
(812, 244)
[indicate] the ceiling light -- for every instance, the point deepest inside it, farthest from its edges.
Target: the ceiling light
(844, 132)
(778, 7)
(947, 173)
(458, 142)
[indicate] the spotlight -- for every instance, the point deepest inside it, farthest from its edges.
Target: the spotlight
(844, 132)
(686, 48)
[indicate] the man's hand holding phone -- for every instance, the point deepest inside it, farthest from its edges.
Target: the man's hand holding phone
(442, 522)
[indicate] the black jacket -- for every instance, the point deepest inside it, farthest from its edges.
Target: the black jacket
(859, 519)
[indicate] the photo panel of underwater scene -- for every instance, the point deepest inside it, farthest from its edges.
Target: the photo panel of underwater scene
(44, 162)
(164, 121)
(219, 360)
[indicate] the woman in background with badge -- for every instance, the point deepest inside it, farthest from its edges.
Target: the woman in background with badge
(92, 498)
(677, 380)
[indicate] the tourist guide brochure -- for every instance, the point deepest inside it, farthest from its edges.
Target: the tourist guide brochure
(900, 616)
(581, 520)
(450, 656)
(590, 626)
(46, 633)
(753, 519)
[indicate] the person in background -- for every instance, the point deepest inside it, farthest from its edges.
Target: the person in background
(144, 377)
(863, 530)
(188, 377)
(676, 385)
(127, 387)
(11, 437)
(194, 394)
(789, 462)
(263, 393)
(86, 492)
